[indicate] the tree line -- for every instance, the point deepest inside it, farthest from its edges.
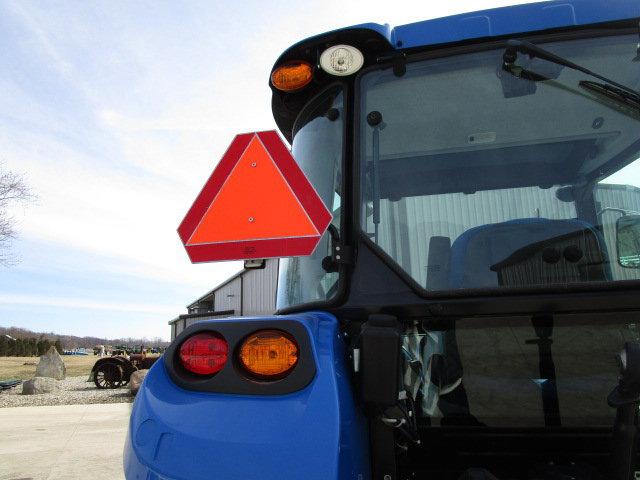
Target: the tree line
(27, 347)
(71, 342)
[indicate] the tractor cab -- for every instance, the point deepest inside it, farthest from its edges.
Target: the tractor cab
(463, 314)
(481, 257)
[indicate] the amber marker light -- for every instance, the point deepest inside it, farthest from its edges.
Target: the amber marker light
(268, 354)
(292, 76)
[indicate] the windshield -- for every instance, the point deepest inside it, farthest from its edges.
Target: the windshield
(474, 178)
(317, 147)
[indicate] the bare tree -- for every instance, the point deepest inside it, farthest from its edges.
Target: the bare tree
(13, 190)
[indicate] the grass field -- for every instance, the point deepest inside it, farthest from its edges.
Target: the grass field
(14, 367)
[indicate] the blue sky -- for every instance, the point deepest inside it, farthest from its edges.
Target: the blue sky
(116, 113)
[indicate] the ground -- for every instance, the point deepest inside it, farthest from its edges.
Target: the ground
(73, 390)
(14, 367)
(70, 440)
(63, 442)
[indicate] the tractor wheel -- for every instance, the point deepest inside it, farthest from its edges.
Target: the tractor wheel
(108, 375)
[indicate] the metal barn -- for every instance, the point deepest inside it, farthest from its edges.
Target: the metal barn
(248, 293)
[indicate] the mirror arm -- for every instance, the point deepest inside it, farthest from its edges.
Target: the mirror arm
(619, 210)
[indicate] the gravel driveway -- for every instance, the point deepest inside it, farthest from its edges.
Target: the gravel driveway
(73, 390)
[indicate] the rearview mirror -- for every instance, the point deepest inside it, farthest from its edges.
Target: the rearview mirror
(628, 240)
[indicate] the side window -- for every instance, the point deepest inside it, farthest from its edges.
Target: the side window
(317, 147)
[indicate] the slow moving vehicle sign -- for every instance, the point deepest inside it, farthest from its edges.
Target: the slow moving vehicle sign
(257, 203)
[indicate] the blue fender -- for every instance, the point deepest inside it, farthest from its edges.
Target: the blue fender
(315, 433)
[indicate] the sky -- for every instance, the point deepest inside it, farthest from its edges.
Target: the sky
(116, 113)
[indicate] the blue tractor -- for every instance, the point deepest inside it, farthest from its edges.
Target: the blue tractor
(463, 315)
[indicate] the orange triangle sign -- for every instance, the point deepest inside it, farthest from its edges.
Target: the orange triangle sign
(256, 204)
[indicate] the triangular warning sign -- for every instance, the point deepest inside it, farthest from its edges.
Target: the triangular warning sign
(256, 204)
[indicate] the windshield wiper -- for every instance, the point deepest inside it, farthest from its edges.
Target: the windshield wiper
(614, 93)
(609, 88)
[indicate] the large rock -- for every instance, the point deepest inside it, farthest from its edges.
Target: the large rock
(51, 365)
(39, 385)
(136, 380)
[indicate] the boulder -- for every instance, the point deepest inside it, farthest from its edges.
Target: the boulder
(39, 385)
(136, 380)
(51, 365)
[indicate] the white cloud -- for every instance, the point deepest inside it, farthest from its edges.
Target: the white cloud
(75, 303)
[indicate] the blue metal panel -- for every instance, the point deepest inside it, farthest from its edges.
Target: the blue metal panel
(495, 22)
(316, 433)
(513, 20)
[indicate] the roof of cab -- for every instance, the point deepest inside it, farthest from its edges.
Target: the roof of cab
(504, 21)
(496, 22)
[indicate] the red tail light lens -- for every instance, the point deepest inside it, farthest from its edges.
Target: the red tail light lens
(204, 353)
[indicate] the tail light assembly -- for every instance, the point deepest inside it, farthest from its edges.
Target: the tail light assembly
(242, 357)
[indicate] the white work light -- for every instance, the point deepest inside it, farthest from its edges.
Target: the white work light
(341, 60)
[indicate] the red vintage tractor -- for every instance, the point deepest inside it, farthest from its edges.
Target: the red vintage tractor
(115, 371)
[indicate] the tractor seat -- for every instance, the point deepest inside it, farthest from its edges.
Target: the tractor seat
(527, 252)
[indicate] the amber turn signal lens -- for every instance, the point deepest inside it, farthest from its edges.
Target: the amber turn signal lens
(268, 354)
(292, 76)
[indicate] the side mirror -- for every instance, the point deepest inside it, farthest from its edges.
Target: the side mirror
(628, 240)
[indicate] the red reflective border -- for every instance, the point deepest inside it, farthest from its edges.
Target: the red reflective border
(272, 248)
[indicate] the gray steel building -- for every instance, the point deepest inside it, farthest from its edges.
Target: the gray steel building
(418, 218)
(249, 292)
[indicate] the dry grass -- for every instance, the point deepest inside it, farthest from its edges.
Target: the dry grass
(14, 367)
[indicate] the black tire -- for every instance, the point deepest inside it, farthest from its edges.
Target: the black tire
(108, 375)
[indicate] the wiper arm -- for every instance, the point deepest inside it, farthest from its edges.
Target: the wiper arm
(610, 88)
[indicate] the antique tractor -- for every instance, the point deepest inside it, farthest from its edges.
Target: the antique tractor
(115, 371)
